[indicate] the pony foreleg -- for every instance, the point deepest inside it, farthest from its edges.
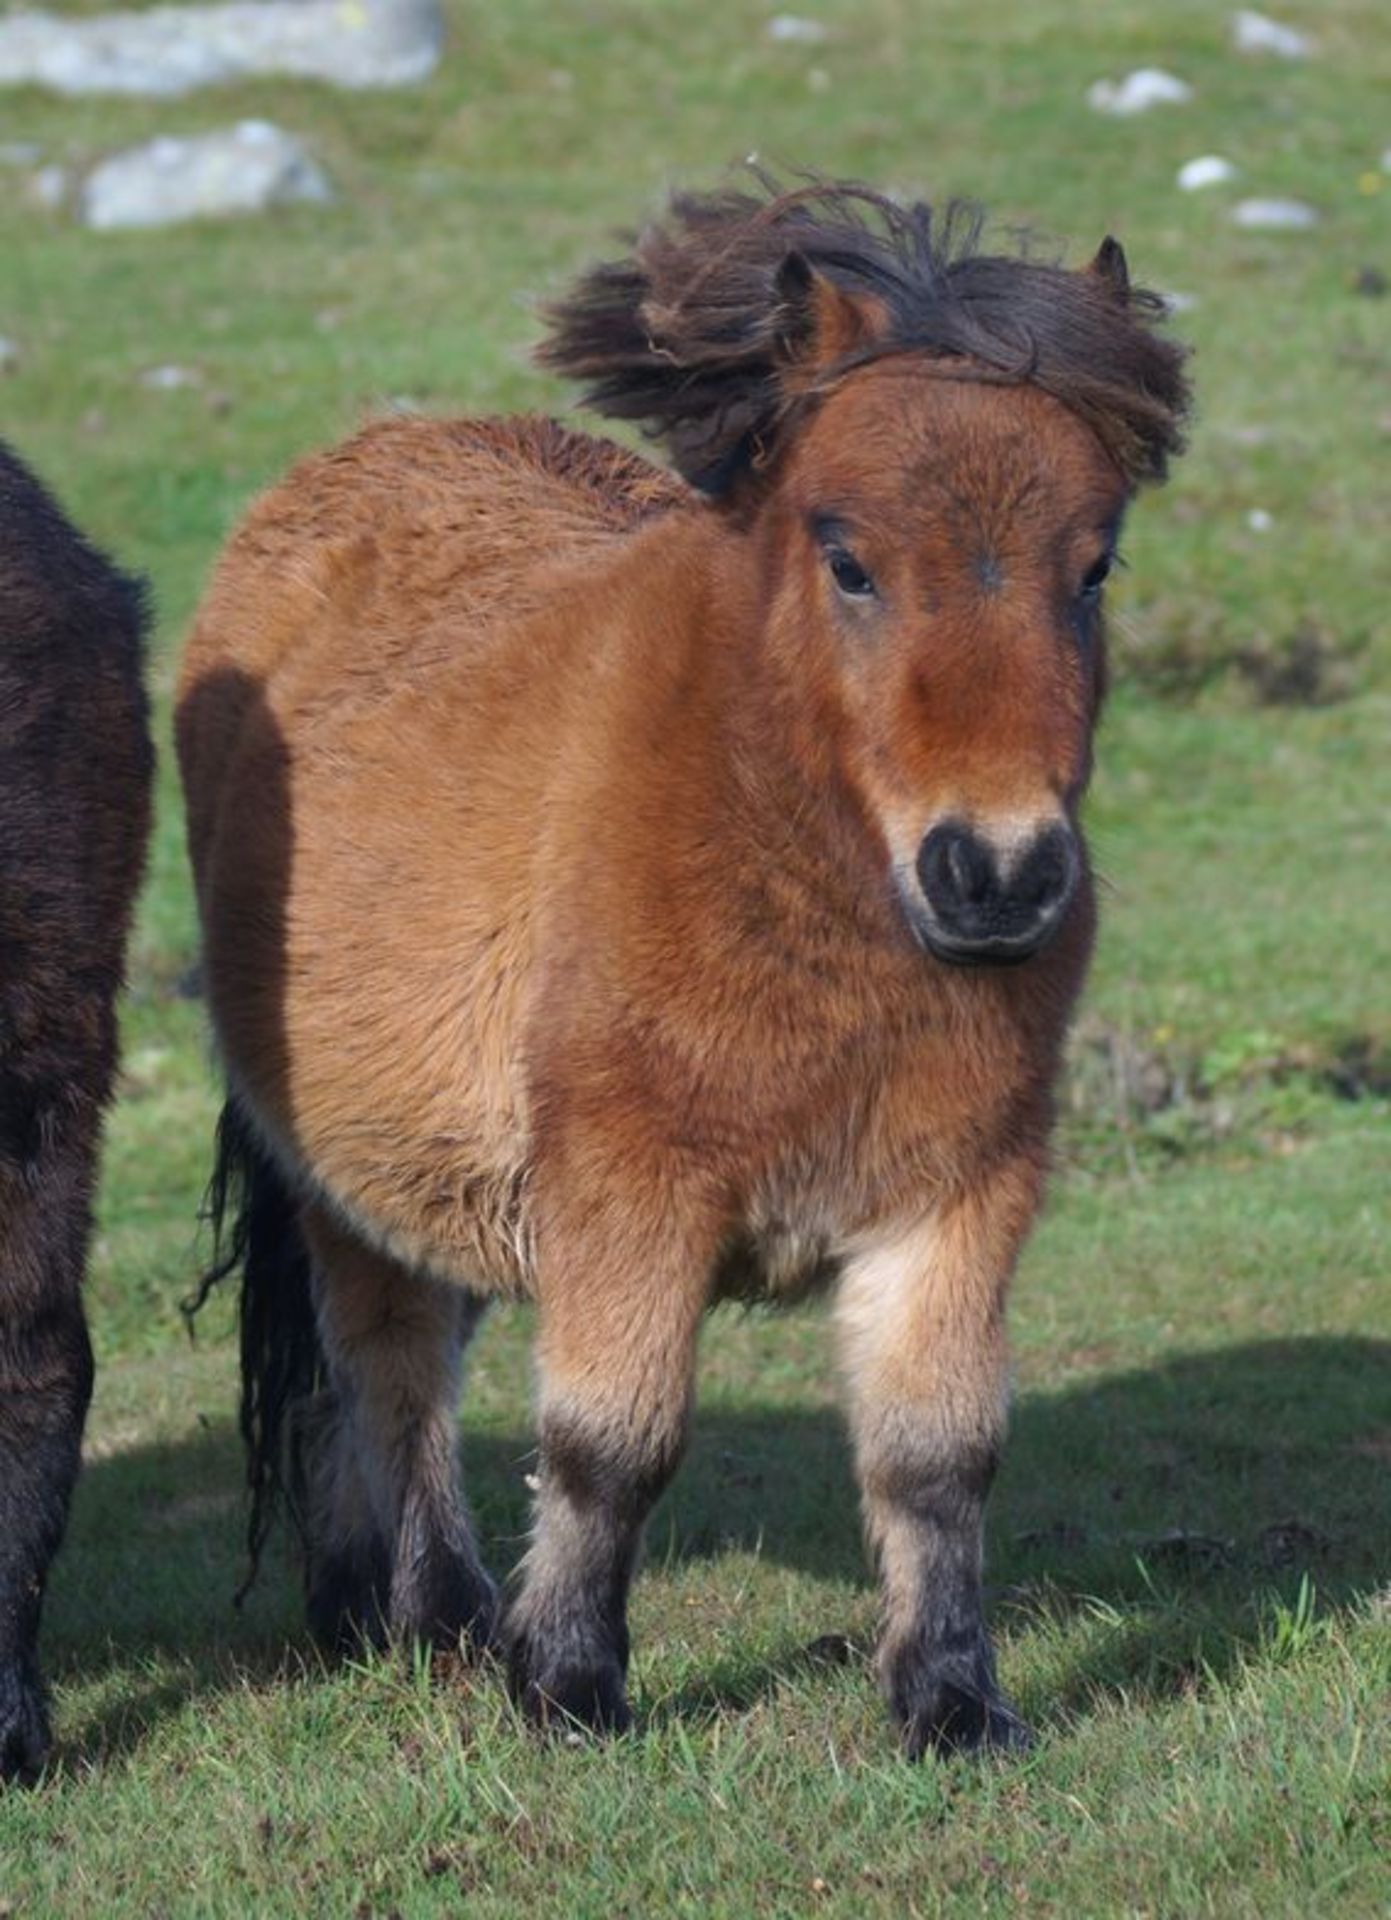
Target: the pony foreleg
(921, 1318)
(617, 1356)
(386, 1501)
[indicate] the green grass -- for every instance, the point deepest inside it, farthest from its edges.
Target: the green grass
(1190, 1541)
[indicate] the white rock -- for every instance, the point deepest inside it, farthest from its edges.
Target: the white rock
(1259, 521)
(238, 170)
(1208, 170)
(1175, 302)
(1254, 33)
(19, 153)
(1275, 215)
(1139, 91)
(9, 355)
(168, 379)
(792, 30)
(1386, 161)
(170, 50)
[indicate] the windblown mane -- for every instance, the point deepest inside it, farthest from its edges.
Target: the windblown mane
(689, 335)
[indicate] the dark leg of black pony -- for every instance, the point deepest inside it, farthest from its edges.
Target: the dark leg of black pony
(45, 1386)
(75, 777)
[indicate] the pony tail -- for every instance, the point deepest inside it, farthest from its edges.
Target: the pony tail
(256, 1232)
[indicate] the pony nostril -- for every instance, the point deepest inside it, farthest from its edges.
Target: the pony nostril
(971, 868)
(1047, 873)
(956, 869)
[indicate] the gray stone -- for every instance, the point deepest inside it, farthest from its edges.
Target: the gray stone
(170, 378)
(1275, 215)
(1146, 87)
(1255, 33)
(172, 50)
(9, 355)
(1208, 170)
(239, 170)
(792, 29)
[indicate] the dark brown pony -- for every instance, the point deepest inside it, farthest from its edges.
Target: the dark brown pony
(624, 891)
(75, 766)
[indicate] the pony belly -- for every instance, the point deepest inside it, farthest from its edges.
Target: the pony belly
(482, 1242)
(414, 1137)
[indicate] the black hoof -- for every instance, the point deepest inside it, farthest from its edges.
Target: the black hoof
(345, 1600)
(951, 1705)
(451, 1606)
(961, 1721)
(562, 1695)
(479, 1634)
(467, 1624)
(23, 1729)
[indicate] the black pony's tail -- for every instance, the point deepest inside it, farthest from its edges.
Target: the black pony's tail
(256, 1232)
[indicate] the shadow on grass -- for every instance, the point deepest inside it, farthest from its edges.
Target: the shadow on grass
(1183, 1496)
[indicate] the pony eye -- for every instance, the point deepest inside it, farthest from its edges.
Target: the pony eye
(1096, 578)
(849, 575)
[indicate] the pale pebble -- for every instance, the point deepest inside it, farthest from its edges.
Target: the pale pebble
(1288, 216)
(1146, 87)
(1208, 170)
(791, 29)
(1256, 33)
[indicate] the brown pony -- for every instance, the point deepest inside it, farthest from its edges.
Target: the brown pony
(625, 891)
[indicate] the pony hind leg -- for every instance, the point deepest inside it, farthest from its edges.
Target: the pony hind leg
(347, 1543)
(391, 1550)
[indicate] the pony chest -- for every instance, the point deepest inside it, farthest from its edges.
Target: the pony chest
(880, 1146)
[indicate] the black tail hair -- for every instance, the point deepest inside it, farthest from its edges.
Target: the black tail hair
(255, 1225)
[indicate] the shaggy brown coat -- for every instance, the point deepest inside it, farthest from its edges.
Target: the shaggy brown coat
(600, 877)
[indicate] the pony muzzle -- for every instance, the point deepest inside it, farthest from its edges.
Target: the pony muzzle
(987, 900)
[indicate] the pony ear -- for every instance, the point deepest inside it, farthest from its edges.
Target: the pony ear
(818, 323)
(713, 324)
(1109, 266)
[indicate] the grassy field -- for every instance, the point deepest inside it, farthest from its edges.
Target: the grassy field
(1190, 1545)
